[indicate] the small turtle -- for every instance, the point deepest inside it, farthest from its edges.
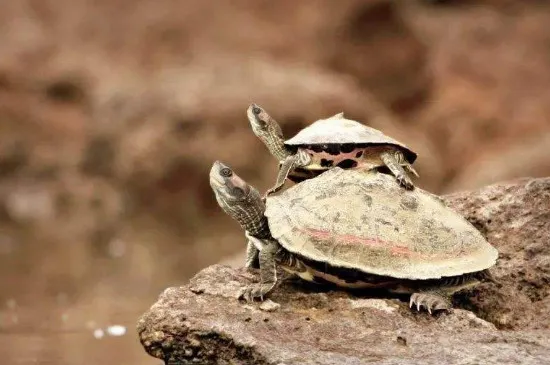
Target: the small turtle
(357, 230)
(331, 142)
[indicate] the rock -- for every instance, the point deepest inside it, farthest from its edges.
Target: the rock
(515, 218)
(269, 306)
(506, 322)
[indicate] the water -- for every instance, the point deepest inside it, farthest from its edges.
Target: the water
(59, 297)
(63, 286)
(69, 335)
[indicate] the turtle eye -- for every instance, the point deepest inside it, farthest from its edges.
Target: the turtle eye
(256, 110)
(226, 172)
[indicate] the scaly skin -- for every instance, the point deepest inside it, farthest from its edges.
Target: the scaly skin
(268, 269)
(394, 161)
(252, 259)
(431, 300)
(269, 132)
(301, 158)
(244, 204)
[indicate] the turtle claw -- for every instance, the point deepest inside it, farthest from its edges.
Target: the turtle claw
(269, 192)
(431, 301)
(405, 181)
(255, 291)
(246, 294)
(411, 169)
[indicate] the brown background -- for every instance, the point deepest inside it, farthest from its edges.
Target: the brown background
(111, 113)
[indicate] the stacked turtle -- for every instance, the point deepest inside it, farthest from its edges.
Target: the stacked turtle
(347, 223)
(328, 143)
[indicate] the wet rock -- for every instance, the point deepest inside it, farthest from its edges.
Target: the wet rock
(507, 322)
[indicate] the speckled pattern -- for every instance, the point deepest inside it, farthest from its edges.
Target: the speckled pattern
(203, 323)
(354, 219)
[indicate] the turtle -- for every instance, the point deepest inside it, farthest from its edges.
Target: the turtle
(357, 231)
(331, 142)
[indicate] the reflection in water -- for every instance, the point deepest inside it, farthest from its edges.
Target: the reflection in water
(59, 300)
(53, 334)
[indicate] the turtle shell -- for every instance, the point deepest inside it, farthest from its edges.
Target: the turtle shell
(365, 221)
(339, 130)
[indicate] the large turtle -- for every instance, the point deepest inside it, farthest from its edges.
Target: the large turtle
(335, 141)
(357, 230)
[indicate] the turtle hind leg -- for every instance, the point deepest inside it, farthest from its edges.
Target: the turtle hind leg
(432, 300)
(393, 161)
(435, 298)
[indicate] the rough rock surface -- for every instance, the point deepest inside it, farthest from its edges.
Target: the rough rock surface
(503, 323)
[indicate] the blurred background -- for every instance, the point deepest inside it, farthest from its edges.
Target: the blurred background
(112, 112)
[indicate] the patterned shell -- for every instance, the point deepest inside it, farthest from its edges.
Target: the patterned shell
(339, 130)
(366, 221)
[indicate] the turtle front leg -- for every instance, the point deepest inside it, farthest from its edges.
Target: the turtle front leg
(252, 253)
(433, 300)
(268, 270)
(393, 161)
(300, 159)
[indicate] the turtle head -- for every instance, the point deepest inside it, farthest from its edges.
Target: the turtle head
(267, 130)
(237, 198)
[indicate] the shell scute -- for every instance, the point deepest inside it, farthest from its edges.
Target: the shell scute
(342, 131)
(366, 221)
